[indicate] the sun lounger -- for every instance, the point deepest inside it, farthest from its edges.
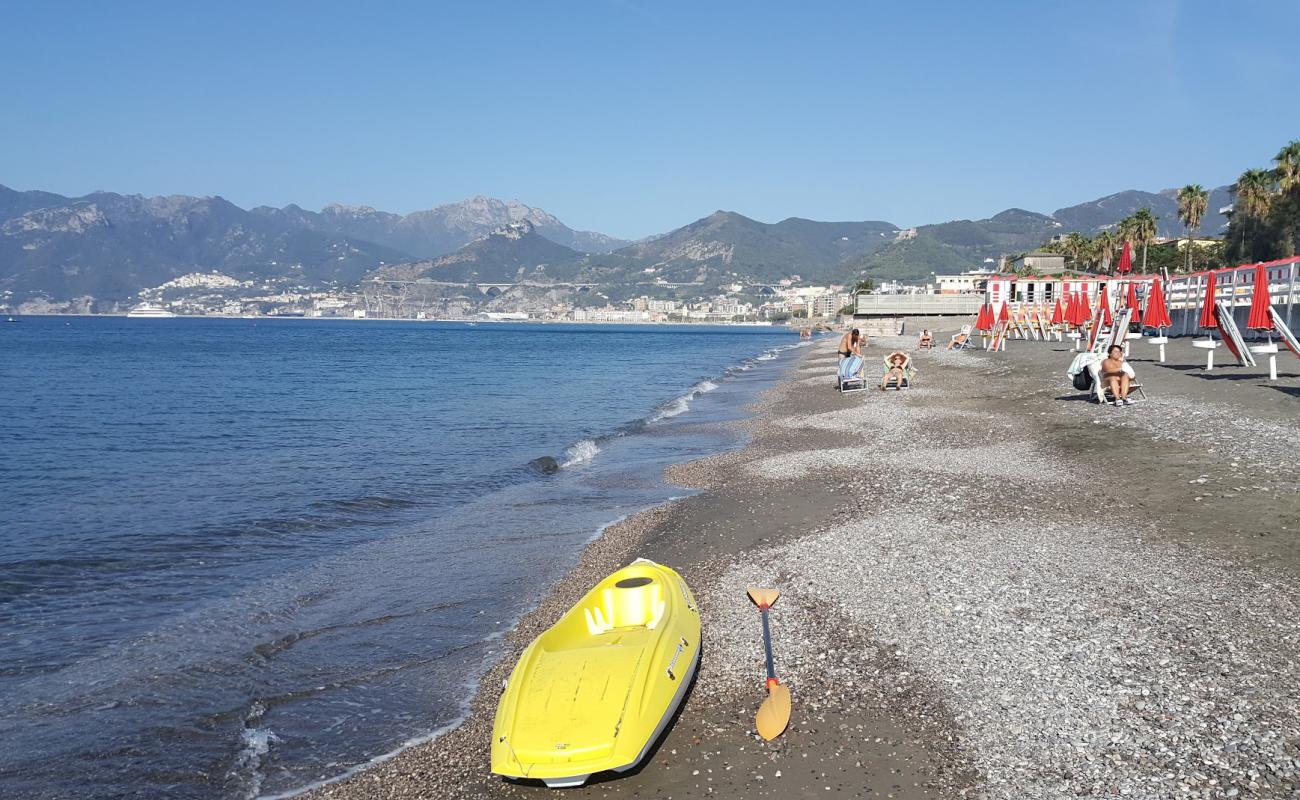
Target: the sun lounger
(961, 340)
(851, 377)
(1091, 364)
(907, 371)
(1102, 391)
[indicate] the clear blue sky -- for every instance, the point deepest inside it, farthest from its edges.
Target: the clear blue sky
(633, 117)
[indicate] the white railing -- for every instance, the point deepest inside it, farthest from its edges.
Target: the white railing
(916, 305)
(1236, 288)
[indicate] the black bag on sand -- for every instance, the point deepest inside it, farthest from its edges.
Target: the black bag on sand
(1083, 380)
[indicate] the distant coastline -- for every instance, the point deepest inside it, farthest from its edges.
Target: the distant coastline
(461, 320)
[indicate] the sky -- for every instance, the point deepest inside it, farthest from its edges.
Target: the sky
(632, 118)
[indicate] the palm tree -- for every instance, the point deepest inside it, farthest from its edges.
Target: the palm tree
(1076, 247)
(1287, 173)
(1288, 167)
(1253, 195)
(1104, 246)
(1143, 229)
(1254, 191)
(1193, 200)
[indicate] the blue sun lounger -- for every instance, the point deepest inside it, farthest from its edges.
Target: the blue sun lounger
(851, 376)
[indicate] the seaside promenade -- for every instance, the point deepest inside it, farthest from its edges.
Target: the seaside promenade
(990, 588)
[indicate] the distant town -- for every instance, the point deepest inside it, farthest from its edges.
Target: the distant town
(214, 294)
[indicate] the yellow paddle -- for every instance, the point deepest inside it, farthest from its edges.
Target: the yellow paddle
(774, 714)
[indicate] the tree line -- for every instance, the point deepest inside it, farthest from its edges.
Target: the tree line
(1265, 220)
(1263, 225)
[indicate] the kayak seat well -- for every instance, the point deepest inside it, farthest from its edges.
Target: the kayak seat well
(631, 603)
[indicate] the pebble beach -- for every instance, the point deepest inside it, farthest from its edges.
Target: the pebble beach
(990, 589)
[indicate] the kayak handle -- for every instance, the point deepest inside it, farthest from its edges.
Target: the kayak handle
(686, 594)
(671, 664)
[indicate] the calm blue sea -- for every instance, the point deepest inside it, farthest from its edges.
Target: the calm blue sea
(241, 556)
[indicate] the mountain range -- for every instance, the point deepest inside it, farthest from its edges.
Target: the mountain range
(110, 246)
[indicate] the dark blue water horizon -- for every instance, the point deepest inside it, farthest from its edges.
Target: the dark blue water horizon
(241, 556)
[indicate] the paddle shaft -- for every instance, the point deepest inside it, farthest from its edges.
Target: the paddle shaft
(767, 646)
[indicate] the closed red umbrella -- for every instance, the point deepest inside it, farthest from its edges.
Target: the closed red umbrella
(1132, 300)
(1260, 319)
(1058, 316)
(983, 320)
(1106, 318)
(1207, 310)
(1157, 313)
(1125, 260)
(1082, 309)
(1004, 315)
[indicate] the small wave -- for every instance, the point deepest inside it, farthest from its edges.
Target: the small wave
(580, 453)
(680, 405)
(256, 744)
(381, 758)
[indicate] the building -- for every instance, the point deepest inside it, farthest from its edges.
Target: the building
(1183, 242)
(829, 304)
(1038, 261)
(971, 282)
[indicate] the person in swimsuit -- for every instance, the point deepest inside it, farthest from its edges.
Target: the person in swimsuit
(1115, 376)
(896, 372)
(927, 341)
(851, 344)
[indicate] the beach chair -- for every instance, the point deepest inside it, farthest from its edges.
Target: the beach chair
(908, 372)
(851, 375)
(1101, 392)
(961, 339)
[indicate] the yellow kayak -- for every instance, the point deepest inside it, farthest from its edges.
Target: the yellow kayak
(595, 690)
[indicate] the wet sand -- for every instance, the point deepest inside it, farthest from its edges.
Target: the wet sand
(990, 589)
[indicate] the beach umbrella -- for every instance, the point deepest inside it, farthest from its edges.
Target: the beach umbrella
(984, 320)
(1005, 314)
(1058, 315)
(1260, 319)
(1106, 318)
(1082, 310)
(1157, 313)
(1125, 261)
(1207, 310)
(1132, 300)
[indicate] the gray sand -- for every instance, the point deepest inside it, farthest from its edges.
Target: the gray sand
(958, 617)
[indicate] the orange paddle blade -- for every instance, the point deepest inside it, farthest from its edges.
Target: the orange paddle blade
(763, 598)
(774, 714)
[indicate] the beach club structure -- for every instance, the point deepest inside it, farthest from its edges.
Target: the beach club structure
(1228, 307)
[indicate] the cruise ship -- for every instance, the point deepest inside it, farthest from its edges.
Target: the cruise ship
(147, 310)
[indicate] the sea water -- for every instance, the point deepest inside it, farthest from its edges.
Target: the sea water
(238, 557)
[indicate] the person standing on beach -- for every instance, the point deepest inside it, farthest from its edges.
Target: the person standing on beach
(851, 344)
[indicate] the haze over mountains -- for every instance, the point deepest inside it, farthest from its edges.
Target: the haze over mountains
(109, 246)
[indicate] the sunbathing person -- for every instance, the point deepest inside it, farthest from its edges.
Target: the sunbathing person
(896, 372)
(926, 341)
(958, 340)
(1115, 375)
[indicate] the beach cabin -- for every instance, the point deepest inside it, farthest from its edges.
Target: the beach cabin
(1184, 294)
